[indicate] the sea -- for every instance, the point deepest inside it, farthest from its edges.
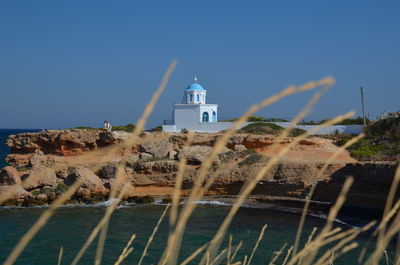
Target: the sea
(71, 225)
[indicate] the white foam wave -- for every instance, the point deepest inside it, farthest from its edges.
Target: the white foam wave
(218, 203)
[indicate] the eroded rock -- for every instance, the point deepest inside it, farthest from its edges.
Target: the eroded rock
(89, 180)
(197, 154)
(9, 176)
(158, 149)
(38, 177)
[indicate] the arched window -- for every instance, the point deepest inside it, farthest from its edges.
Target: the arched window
(191, 98)
(198, 98)
(214, 117)
(205, 117)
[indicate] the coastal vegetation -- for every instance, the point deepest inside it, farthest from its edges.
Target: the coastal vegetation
(257, 119)
(124, 128)
(355, 121)
(382, 141)
(269, 128)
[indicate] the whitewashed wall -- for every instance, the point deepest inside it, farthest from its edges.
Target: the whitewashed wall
(220, 126)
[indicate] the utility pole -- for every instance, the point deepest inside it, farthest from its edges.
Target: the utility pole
(362, 105)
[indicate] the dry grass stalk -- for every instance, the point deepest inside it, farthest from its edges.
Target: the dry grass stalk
(228, 257)
(257, 243)
(100, 244)
(310, 237)
(218, 259)
(277, 254)
(194, 254)
(331, 260)
(126, 251)
(60, 256)
(236, 250)
(244, 259)
(153, 234)
(287, 255)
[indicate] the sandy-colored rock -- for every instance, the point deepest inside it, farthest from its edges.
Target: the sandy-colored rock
(38, 177)
(83, 192)
(107, 138)
(198, 153)
(132, 159)
(9, 176)
(155, 167)
(122, 183)
(13, 192)
(42, 197)
(89, 180)
(239, 148)
(159, 149)
(146, 156)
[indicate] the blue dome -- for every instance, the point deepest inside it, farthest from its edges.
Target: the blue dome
(195, 86)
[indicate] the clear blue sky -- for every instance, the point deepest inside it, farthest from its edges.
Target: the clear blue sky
(71, 63)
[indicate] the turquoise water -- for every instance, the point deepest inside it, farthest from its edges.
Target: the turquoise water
(72, 225)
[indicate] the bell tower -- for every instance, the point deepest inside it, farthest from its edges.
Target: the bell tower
(195, 94)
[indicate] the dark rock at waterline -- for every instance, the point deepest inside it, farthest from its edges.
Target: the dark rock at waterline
(141, 199)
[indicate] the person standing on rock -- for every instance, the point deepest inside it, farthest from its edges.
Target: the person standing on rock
(107, 126)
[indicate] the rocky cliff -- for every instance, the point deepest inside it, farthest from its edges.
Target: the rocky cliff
(40, 170)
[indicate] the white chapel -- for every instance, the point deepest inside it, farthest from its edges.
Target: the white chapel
(193, 113)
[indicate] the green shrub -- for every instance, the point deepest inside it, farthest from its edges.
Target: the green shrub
(85, 128)
(276, 120)
(261, 128)
(296, 132)
(387, 128)
(35, 192)
(61, 188)
(156, 129)
(258, 119)
(356, 121)
(126, 128)
(252, 159)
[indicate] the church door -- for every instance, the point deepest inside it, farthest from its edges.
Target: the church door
(205, 117)
(214, 117)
